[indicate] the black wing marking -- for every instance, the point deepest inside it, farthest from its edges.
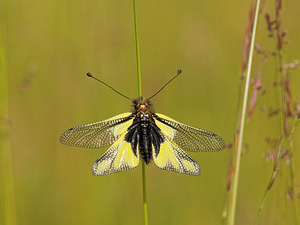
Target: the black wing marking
(98, 134)
(187, 137)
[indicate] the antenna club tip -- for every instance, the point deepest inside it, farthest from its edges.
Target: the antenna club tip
(89, 75)
(179, 71)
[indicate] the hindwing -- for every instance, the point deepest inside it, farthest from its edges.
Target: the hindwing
(172, 157)
(117, 158)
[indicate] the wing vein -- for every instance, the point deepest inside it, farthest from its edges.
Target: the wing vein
(189, 138)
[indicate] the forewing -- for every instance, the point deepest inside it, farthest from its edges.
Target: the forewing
(187, 137)
(171, 157)
(98, 134)
(117, 158)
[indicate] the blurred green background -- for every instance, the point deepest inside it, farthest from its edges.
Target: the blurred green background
(51, 45)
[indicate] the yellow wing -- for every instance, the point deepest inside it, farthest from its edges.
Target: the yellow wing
(98, 134)
(117, 158)
(171, 157)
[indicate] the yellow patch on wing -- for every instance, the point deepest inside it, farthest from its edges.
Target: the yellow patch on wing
(167, 130)
(118, 157)
(171, 157)
(119, 129)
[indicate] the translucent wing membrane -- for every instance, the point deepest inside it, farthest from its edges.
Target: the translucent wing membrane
(171, 157)
(117, 158)
(98, 134)
(187, 137)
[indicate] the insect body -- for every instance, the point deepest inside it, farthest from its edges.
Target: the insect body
(143, 135)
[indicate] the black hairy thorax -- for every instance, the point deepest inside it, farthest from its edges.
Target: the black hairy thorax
(143, 135)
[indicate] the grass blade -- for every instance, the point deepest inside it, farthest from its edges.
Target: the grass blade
(237, 156)
(140, 95)
(7, 207)
(137, 50)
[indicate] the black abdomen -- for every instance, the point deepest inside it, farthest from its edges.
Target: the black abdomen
(145, 145)
(145, 135)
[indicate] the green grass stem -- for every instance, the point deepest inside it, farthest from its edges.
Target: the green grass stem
(293, 169)
(237, 158)
(7, 207)
(144, 194)
(274, 174)
(282, 76)
(261, 205)
(140, 95)
(137, 50)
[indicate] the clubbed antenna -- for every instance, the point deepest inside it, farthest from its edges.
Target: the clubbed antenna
(178, 72)
(90, 75)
